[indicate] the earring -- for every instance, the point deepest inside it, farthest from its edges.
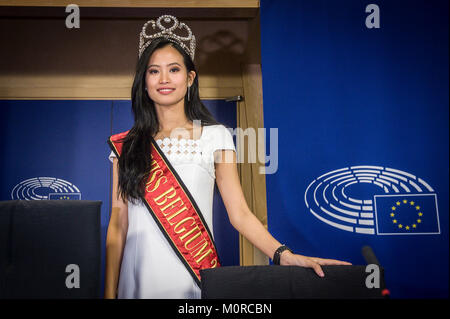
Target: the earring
(189, 98)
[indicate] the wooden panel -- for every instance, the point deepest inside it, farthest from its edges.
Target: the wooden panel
(137, 3)
(98, 60)
(93, 87)
(127, 13)
(250, 116)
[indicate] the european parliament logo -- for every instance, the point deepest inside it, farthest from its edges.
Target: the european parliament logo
(374, 200)
(45, 188)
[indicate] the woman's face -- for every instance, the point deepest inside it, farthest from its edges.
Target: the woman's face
(166, 77)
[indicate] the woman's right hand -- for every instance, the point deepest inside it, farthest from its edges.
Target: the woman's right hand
(115, 238)
(287, 258)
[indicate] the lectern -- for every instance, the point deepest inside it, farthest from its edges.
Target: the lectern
(50, 249)
(289, 282)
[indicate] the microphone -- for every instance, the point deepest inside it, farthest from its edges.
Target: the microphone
(370, 258)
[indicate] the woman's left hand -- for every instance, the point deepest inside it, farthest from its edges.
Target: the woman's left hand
(289, 259)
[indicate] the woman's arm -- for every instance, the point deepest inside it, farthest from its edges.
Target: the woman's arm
(115, 238)
(245, 221)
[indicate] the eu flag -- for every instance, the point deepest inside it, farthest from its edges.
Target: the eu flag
(406, 214)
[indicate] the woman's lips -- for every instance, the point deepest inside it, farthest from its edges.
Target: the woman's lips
(166, 91)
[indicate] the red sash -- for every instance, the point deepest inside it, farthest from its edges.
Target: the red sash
(175, 212)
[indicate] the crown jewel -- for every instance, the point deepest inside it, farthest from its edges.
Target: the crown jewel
(145, 39)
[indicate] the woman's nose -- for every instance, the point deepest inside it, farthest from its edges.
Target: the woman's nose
(164, 78)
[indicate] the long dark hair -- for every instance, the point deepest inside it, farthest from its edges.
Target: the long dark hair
(135, 160)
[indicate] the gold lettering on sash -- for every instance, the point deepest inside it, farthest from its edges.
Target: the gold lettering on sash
(204, 255)
(182, 222)
(167, 197)
(213, 263)
(176, 214)
(154, 166)
(178, 199)
(156, 170)
(186, 227)
(190, 240)
(157, 184)
(189, 232)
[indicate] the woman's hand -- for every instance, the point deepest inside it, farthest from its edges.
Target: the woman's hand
(289, 259)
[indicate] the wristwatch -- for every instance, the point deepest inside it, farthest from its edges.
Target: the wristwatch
(277, 254)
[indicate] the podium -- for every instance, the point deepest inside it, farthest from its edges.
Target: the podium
(288, 282)
(50, 249)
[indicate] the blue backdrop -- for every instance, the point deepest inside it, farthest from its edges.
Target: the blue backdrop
(363, 123)
(57, 150)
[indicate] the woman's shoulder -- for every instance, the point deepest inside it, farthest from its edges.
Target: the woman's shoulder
(118, 136)
(115, 141)
(219, 136)
(217, 129)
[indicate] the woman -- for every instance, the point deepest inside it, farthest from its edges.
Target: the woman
(144, 256)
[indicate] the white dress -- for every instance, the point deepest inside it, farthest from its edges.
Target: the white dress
(150, 268)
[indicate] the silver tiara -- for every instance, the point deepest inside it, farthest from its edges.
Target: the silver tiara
(145, 39)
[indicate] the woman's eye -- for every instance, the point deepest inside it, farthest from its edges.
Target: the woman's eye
(172, 70)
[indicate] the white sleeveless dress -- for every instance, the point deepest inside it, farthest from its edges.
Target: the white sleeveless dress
(150, 268)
